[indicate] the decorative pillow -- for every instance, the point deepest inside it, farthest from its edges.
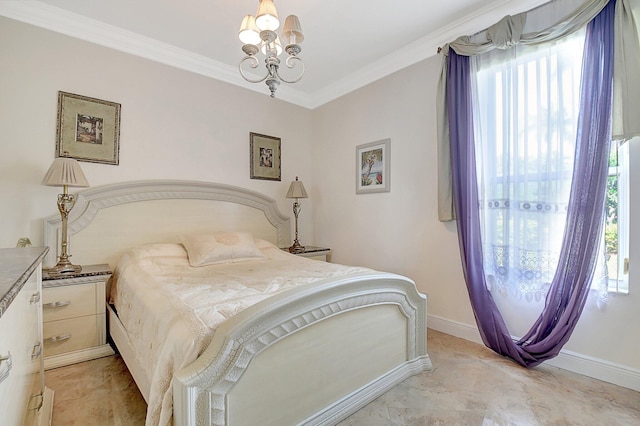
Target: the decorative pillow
(209, 249)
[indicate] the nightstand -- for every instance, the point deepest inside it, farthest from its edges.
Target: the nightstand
(316, 253)
(73, 312)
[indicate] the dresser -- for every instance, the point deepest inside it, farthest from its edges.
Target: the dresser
(74, 319)
(24, 400)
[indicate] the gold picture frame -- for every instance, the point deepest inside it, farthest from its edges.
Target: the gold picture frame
(88, 129)
(265, 157)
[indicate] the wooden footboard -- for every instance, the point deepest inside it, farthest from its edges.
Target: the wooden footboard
(313, 355)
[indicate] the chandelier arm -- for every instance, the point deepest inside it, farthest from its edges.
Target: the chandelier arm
(254, 64)
(291, 65)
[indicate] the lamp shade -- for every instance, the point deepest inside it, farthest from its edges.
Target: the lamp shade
(296, 190)
(249, 33)
(267, 16)
(65, 171)
(292, 30)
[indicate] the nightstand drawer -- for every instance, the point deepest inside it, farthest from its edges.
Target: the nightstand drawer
(68, 302)
(74, 316)
(70, 335)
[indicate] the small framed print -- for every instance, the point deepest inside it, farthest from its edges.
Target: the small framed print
(88, 129)
(373, 164)
(265, 157)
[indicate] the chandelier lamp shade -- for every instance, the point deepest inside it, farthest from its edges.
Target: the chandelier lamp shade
(296, 190)
(65, 172)
(258, 35)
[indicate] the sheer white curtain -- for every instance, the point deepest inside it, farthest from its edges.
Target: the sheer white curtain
(546, 23)
(526, 115)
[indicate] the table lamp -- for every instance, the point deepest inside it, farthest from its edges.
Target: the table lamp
(65, 172)
(296, 190)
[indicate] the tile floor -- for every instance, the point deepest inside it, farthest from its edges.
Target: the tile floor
(469, 385)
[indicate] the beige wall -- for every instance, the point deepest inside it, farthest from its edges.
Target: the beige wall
(399, 231)
(395, 231)
(178, 125)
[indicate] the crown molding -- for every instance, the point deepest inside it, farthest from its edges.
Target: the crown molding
(421, 49)
(61, 21)
(71, 24)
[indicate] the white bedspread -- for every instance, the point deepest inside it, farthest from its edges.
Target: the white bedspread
(171, 310)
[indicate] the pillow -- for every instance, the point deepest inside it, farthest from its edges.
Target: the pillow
(209, 249)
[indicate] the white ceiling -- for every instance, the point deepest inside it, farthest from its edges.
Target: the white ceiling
(347, 45)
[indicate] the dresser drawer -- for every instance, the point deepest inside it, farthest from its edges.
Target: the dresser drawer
(19, 346)
(69, 335)
(69, 302)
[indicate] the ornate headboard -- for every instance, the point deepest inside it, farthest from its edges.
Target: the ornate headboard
(108, 220)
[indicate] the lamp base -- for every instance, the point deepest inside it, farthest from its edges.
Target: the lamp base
(63, 268)
(296, 247)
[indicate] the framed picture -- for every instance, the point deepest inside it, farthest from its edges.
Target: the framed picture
(373, 161)
(265, 157)
(88, 129)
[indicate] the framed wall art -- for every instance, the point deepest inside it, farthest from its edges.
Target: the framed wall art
(88, 129)
(373, 164)
(265, 157)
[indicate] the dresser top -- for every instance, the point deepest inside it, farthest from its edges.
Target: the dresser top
(16, 266)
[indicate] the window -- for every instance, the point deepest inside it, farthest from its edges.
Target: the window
(527, 113)
(617, 219)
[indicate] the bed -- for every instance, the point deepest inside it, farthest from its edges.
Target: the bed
(309, 354)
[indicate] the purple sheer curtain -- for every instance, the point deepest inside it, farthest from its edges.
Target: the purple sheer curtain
(570, 286)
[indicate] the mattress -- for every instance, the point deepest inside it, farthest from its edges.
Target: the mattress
(171, 309)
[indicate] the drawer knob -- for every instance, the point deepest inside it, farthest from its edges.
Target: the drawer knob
(57, 338)
(37, 350)
(35, 298)
(5, 366)
(58, 304)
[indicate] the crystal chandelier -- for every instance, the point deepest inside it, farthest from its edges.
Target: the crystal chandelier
(258, 34)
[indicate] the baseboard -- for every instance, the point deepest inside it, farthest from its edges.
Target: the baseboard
(606, 371)
(454, 328)
(598, 369)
